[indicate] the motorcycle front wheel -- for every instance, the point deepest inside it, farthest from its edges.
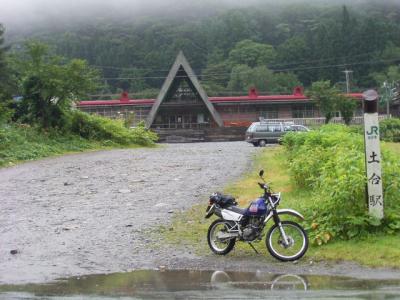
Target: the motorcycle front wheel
(217, 243)
(297, 241)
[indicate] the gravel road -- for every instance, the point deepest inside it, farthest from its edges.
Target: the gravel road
(87, 213)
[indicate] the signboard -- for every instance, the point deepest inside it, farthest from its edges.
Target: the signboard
(373, 158)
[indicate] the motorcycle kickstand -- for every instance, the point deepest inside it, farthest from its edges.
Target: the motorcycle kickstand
(255, 250)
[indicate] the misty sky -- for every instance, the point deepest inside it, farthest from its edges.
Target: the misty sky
(28, 13)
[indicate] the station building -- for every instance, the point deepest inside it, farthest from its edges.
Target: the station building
(184, 112)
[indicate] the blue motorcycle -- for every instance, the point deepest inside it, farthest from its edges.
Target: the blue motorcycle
(285, 240)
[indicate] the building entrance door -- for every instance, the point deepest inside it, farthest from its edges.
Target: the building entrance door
(182, 120)
(179, 122)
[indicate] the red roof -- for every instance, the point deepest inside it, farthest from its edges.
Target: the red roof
(251, 97)
(271, 98)
(358, 96)
(116, 102)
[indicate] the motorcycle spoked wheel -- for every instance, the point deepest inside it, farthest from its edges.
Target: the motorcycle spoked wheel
(217, 246)
(297, 237)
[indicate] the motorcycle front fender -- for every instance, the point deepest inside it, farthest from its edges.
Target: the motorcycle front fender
(287, 211)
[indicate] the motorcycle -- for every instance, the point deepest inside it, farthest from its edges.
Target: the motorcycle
(285, 240)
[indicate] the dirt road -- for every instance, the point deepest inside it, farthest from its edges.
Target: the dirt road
(88, 213)
(91, 213)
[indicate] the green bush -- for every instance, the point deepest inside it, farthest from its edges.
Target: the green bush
(20, 142)
(330, 163)
(94, 127)
(390, 130)
(5, 112)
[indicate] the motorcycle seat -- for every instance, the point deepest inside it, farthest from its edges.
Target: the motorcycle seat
(227, 198)
(237, 209)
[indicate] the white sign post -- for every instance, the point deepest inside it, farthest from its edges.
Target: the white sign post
(373, 159)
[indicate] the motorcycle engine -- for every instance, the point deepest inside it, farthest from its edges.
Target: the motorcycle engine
(253, 228)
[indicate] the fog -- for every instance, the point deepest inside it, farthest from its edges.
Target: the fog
(26, 14)
(29, 12)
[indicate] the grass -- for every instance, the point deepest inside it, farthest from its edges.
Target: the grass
(394, 147)
(20, 143)
(190, 228)
(373, 251)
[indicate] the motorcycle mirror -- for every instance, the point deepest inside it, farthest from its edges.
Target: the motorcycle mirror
(261, 173)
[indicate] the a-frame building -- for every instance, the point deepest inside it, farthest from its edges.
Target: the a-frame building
(183, 112)
(182, 102)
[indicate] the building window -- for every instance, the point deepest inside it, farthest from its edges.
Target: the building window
(246, 108)
(303, 111)
(269, 113)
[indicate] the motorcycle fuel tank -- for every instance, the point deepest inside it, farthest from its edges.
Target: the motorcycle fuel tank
(257, 208)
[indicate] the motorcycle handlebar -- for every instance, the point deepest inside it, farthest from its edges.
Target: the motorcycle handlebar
(264, 186)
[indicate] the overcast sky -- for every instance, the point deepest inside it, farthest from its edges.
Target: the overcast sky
(17, 13)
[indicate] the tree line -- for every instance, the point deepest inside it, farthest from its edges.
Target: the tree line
(231, 51)
(273, 48)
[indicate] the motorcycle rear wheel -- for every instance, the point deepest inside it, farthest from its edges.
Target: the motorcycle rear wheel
(217, 246)
(298, 241)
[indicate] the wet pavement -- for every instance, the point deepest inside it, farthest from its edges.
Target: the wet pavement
(206, 285)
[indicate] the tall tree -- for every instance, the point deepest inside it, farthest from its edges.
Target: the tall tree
(5, 93)
(325, 96)
(346, 106)
(253, 54)
(132, 80)
(215, 77)
(295, 53)
(243, 77)
(51, 86)
(240, 77)
(4, 75)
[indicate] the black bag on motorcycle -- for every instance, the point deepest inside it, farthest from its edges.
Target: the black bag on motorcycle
(223, 200)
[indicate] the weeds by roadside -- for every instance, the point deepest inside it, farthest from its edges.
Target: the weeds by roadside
(19, 142)
(189, 229)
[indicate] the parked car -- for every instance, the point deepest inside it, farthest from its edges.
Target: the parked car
(261, 133)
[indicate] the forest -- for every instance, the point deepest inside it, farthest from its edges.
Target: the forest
(271, 47)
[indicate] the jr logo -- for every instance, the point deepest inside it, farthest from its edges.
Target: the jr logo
(374, 130)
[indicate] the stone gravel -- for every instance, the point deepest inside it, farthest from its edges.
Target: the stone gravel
(89, 213)
(92, 213)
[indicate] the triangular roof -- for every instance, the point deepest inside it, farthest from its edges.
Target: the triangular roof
(181, 62)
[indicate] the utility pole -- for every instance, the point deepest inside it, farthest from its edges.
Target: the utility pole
(389, 89)
(347, 72)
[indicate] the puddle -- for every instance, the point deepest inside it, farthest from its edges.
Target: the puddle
(205, 285)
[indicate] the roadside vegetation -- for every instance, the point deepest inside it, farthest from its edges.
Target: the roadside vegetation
(44, 122)
(328, 188)
(390, 130)
(23, 142)
(330, 164)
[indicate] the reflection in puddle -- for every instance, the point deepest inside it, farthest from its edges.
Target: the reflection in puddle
(205, 285)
